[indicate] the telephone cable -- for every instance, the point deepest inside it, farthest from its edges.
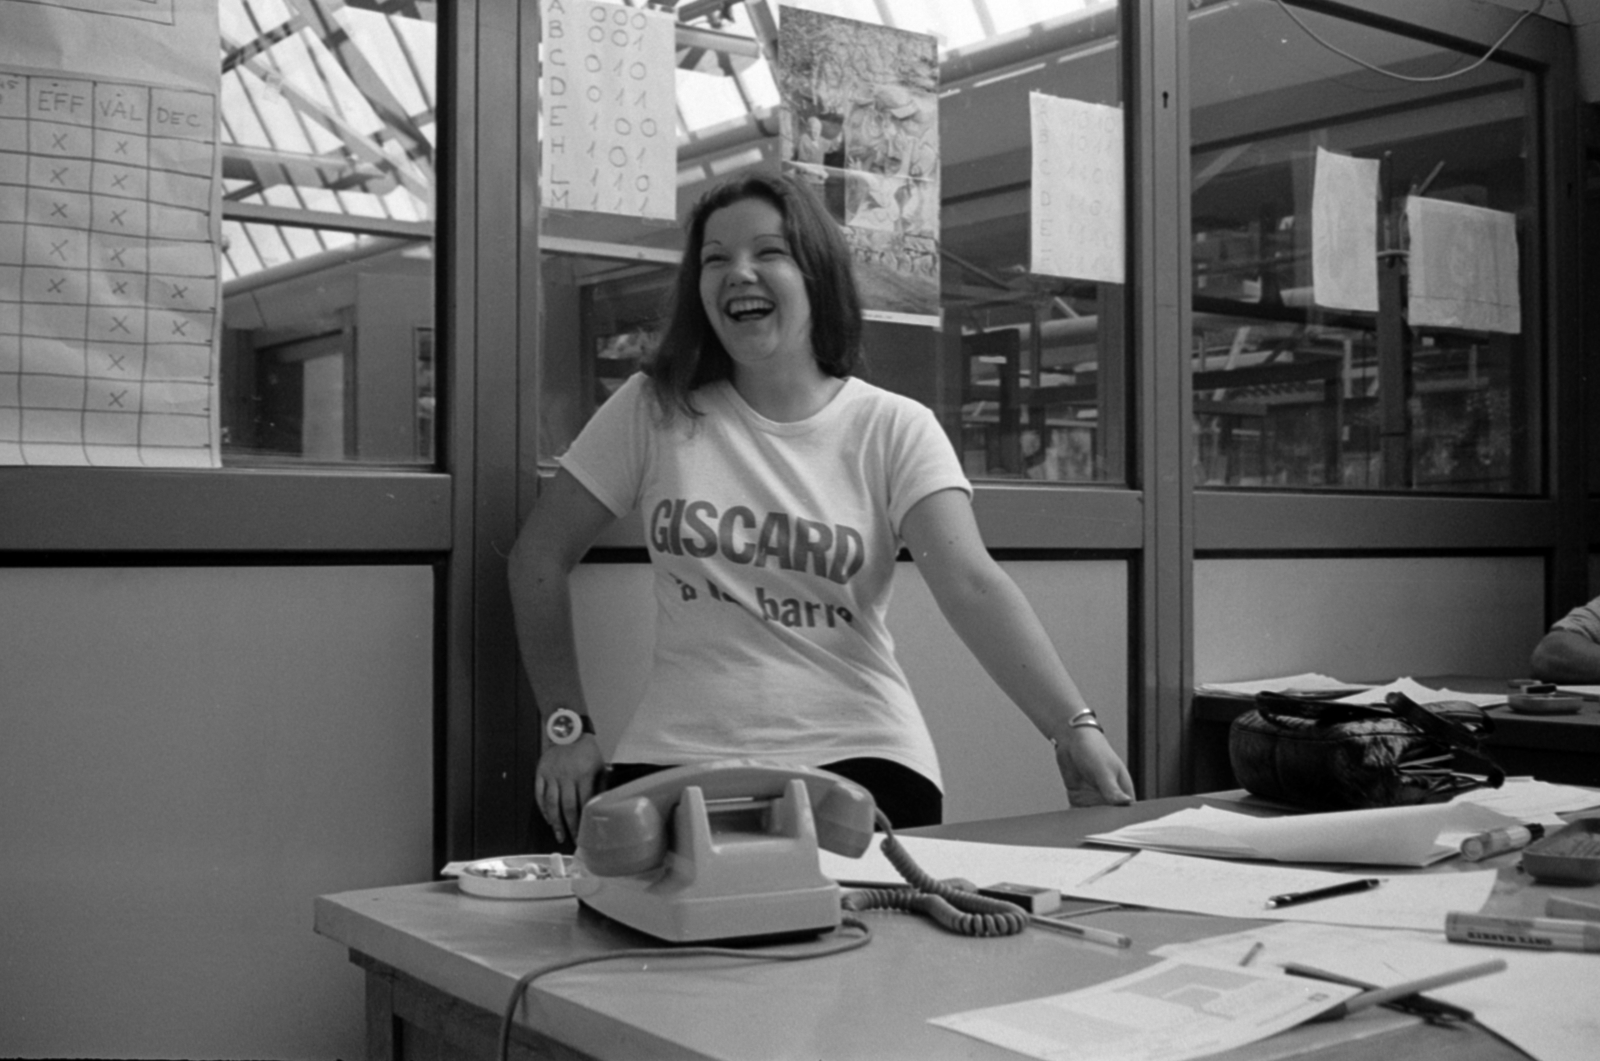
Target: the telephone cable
(954, 908)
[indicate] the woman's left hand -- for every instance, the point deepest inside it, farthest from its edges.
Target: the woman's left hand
(1092, 770)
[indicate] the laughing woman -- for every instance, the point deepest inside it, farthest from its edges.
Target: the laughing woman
(776, 489)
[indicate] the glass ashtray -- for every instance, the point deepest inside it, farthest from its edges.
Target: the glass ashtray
(516, 876)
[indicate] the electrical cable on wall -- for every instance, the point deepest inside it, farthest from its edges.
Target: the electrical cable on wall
(1493, 48)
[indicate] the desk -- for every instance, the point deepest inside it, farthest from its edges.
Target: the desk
(439, 966)
(1564, 749)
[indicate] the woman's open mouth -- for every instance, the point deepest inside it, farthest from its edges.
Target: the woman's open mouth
(742, 310)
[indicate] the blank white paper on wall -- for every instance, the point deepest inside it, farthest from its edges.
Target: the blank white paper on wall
(1344, 232)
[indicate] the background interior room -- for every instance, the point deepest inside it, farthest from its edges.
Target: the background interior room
(299, 309)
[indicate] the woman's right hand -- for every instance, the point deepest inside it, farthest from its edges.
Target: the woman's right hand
(564, 781)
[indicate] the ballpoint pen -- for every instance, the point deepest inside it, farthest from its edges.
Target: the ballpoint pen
(1421, 1005)
(1093, 935)
(1346, 888)
(1385, 995)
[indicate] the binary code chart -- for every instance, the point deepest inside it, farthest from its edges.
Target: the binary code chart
(109, 285)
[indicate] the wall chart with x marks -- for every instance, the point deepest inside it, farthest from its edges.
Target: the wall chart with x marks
(109, 278)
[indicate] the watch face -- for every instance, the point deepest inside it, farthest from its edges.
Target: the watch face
(564, 727)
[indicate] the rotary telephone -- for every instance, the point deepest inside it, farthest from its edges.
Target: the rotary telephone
(728, 850)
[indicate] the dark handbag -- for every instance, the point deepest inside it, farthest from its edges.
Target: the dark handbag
(1329, 756)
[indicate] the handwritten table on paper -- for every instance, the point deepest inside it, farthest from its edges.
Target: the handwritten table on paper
(108, 273)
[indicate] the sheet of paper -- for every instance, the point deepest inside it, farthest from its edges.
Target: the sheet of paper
(110, 233)
(608, 110)
(1241, 889)
(1528, 800)
(982, 864)
(1298, 683)
(1374, 955)
(1543, 1002)
(1462, 266)
(1422, 694)
(1588, 692)
(1167, 1012)
(1344, 232)
(1381, 836)
(1076, 193)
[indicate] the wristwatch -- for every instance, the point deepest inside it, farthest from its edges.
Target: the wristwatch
(565, 726)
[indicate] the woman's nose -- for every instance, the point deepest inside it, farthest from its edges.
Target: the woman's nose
(741, 269)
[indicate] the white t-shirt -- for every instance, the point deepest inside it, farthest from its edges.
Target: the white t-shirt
(773, 546)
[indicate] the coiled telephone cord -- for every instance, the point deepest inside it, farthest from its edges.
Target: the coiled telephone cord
(952, 907)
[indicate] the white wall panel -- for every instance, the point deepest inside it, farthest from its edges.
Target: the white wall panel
(1366, 618)
(188, 756)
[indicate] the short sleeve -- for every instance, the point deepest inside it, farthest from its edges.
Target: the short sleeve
(922, 461)
(610, 454)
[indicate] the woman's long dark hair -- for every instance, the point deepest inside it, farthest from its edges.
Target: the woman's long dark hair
(690, 355)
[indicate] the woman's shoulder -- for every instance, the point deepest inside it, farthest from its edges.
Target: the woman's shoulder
(877, 402)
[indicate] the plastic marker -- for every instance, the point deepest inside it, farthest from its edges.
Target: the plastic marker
(1540, 933)
(1384, 995)
(1499, 841)
(1093, 935)
(1347, 888)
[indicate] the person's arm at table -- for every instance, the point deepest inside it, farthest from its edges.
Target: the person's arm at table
(565, 521)
(993, 618)
(1566, 656)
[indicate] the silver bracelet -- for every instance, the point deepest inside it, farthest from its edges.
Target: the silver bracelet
(1086, 717)
(1083, 718)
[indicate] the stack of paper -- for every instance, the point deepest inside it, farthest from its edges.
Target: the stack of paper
(1293, 683)
(1384, 836)
(1422, 694)
(1357, 692)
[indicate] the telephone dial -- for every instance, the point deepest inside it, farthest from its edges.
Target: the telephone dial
(728, 850)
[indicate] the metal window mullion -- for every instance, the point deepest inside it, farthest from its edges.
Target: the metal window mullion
(497, 169)
(1163, 664)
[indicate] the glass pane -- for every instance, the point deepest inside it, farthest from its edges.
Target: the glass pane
(1361, 243)
(329, 127)
(1025, 370)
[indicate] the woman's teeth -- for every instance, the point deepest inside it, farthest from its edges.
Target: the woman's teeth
(746, 309)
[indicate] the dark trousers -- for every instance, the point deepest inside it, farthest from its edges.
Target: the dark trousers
(904, 796)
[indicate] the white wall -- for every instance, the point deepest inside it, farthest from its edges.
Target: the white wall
(188, 756)
(1366, 618)
(994, 761)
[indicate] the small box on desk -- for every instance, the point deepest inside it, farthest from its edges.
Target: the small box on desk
(1033, 900)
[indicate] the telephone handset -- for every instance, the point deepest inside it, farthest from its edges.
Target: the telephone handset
(625, 830)
(722, 850)
(728, 850)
